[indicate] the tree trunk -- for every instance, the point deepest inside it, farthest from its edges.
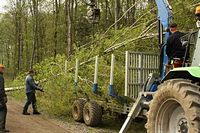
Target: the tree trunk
(18, 36)
(56, 27)
(35, 32)
(69, 13)
(117, 11)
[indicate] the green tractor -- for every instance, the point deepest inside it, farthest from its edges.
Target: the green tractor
(175, 105)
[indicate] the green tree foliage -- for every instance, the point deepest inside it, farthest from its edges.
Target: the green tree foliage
(32, 29)
(35, 33)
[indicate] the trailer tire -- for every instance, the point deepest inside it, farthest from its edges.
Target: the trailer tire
(92, 113)
(175, 108)
(77, 109)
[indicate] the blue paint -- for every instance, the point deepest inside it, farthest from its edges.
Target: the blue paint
(165, 58)
(95, 88)
(164, 15)
(154, 87)
(164, 12)
(111, 91)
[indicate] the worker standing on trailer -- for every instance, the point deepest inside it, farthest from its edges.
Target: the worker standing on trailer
(31, 87)
(3, 101)
(174, 47)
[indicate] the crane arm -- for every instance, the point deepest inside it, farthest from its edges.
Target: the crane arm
(164, 12)
(164, 18)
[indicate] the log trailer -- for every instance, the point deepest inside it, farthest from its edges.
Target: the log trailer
(169, 101)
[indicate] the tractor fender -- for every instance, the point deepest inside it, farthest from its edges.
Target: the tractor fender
(191, 73)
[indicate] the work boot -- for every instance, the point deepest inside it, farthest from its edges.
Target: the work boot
(4, 131)
(26, 113)
(36, 113)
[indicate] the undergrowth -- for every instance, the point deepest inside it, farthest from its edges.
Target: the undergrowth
(57, 76)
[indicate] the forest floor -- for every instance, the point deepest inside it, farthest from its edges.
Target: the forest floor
(18, 123)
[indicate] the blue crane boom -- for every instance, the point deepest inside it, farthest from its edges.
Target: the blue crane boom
(164, 18)
(164, 12)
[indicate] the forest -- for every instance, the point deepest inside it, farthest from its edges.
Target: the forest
(33, 29)
(49, 35)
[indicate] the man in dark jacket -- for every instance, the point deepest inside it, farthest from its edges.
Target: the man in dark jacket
(31, 87)
(174, 46)
(3, 101)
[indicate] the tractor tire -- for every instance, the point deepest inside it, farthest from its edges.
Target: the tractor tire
(92, 113)
(77, 109)
(175, 108)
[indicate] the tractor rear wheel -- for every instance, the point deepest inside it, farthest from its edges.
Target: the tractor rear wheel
(175, 108)
(92, 113)
(77, 109)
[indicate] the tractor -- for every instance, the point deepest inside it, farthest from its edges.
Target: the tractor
(175, 105)
(169, 100)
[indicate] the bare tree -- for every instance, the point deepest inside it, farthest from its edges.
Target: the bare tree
(117, 12)
(69, 5)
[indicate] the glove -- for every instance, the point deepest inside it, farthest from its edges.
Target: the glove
(5, 99)
(41, 90)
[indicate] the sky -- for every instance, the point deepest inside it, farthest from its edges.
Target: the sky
(2, 4)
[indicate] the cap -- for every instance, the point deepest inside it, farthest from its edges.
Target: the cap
(173, 25)
(31, 71)
(197, 12)
(2, 66)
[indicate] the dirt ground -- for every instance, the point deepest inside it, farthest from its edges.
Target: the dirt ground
(18, 123)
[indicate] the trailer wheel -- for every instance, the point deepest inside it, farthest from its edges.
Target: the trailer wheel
(175, 108)
(77, 109)
(92, 113)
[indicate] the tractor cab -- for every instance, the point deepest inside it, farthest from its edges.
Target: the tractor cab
(190, 66)
(189, 42)
(191, 45)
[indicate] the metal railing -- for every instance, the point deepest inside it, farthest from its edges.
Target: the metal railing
(138, 67)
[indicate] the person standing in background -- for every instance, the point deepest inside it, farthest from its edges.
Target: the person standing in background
(3, 101)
